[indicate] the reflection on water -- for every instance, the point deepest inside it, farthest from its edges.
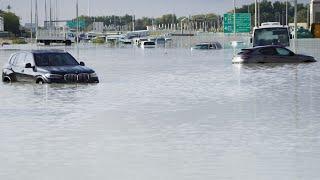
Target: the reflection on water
(164, 114)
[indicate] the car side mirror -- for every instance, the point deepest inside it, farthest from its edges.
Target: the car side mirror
(291, 54)
(82, 63)
(28, 65)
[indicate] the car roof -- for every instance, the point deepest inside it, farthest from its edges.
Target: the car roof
(205, 43)
(44, 51)
(262, 47)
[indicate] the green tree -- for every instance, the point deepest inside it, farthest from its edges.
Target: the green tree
(11, 22)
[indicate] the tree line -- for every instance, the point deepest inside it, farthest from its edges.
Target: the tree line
(276, 12)
(269, 12)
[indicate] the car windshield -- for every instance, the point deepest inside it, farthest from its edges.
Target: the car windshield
(271, 36)
(55, 59)
(149, 43)
(201, 46)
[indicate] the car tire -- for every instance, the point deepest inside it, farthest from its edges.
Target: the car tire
(40, 81)
(68, 43)
(6, 79)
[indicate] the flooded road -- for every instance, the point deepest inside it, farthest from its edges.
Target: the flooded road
(164, 114)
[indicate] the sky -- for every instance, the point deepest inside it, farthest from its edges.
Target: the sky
(151, 8)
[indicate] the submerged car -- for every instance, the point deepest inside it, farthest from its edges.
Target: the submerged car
(148, 44)
(270, 54)
(207, 46)
(47, 66)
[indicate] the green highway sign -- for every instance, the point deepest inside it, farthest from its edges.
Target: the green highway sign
(243, 23)
(73, 24)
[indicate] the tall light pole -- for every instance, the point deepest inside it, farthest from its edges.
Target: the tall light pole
(36, 18)
(45, 11)
(89, 8)
(31, 21)
(234, 18)
(286, 12)
(256, 13)
(295, 25)
(259, 13)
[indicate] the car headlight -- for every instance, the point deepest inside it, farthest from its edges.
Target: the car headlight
(93, 75)
(54, 76)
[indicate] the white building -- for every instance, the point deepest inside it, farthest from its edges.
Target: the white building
(1, 24)
(98, 27)
(315, 11)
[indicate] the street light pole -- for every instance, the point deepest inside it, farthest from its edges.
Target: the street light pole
(256, 13)
(295, 25)
(234, 17)
(31, 21)
(36, 18)
(286, 12)
(259, 12)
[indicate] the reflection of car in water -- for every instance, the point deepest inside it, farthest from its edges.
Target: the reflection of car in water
(271, 33)
(207, 46)
(270, 54)
(47, 66)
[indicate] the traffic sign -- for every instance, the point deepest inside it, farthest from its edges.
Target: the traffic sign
(73, 24)
(243, 23)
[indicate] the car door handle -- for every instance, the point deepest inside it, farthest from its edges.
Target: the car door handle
(22, 70)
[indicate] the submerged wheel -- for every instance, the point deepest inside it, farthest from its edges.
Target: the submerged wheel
(40, 81)
(68, 43)
(6, 78)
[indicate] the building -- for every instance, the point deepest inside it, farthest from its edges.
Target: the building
(98, 27)
(315, 11)
(31, 27)
(1, 24)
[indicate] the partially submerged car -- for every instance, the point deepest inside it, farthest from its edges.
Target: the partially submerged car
(270, 54)
(207, 46)
(47, 66)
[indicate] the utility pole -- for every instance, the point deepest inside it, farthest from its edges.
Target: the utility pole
(77, 35)
(31, 21)
(56, 13)
(89, 8)
(295, 25)
(286, 12)
(234, 18)
(36, 19)
(50, 14)
(259, 13)
(256, 13)
(45, 12)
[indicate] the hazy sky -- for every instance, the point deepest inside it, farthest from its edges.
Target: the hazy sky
(152, 8)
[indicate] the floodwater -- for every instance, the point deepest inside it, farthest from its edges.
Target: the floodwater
(166, 114)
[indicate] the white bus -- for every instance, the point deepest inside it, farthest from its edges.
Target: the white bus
(271, 33)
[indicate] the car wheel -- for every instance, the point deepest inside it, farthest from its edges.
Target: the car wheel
(40, 81)
(6, 79)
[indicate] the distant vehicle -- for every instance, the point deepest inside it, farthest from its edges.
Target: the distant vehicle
(271, 33)
(207, 46)
(55, 36)
(47, 66)
(138, 41)
(270, 54)
(148, 44)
